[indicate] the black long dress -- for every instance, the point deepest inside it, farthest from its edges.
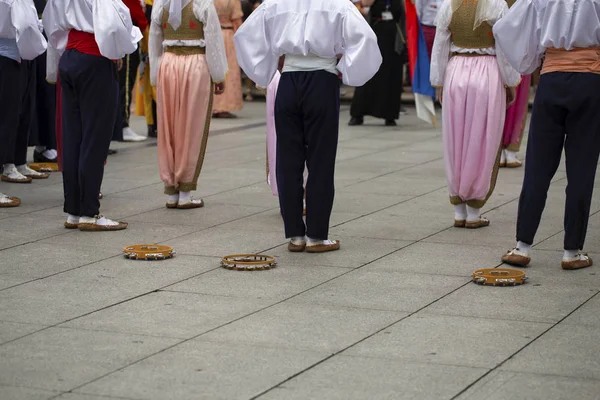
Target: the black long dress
(380, 97)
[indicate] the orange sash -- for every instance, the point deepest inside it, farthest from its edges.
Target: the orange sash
(576, 60)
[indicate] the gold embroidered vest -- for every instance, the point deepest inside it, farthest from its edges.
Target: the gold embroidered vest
(190, 28)
(461, 27)
(510, 3)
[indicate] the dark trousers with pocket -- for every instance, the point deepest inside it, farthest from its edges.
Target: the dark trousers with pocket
(566, 114)
(307, 112)
(17, 98)
(89, 105)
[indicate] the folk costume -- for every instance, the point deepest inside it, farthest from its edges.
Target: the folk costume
(43, 134)
(187, 55)
(427, 11)
(473, 74)
(310, 34)
(85, 38)
(381, 96)
(230, 16)
(145, 100)
(516, 119)
(565, 113)
(21, 41)
(127, 78)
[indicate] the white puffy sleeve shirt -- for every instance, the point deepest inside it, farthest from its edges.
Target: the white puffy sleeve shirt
(216, 57)
(325, 28)
(443, 46)
(532, 26)
(19, 21)
(109, 21)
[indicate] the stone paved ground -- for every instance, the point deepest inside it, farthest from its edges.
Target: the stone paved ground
(391, 316)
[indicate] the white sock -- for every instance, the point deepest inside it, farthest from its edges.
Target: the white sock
(523, 247)
(98, 221)
(473, 214)
(511, 156)
(72, 219)
(9, 168)
(25, 170)
(50, 153)
(570, 254)
(298, 240)
(185, 197)
(503, 157)
(40, 149)
(460, 212)
(173, 198)
(4, 198)
(316, 242)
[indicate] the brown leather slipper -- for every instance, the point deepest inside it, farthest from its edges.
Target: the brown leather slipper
(296, 248)
(89, 227)
(71, 226)
(5, 178)
(514, 164)
(171, 205)
(460, 223)
(42, 175)
(577, 264)
(12, 202)
(517, 260)
(323, 248)
(192, 204)
(480, 223)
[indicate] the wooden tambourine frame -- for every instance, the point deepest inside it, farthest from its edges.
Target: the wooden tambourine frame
(148, 252)
(248, 262)
(44, 167)
(499, 277)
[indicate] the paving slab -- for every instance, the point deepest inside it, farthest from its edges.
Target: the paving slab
(14, 330)
(566, 350)
(205, 371)
(169, 314)
(24, 393)
(536, 302)
(382, 290)
(358, 378)
(505, 385)
(306, 327)
(61, 359)
(276, 285)
(65, 296)
(450, 340)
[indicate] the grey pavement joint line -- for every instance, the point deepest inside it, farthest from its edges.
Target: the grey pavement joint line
(500, 364)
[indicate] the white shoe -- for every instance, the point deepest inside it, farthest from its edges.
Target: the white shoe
(130, 136)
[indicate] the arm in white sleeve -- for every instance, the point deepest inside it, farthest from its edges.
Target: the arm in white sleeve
(57, 40)
(517, 37)
(30, 41)
(216, 57)
(361, 59)
(155, 42)
(440, 54)
(253, 49)
(113, 29)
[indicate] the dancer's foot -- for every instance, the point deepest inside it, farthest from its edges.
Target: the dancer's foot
(390, 122)
(356, 121)
(297, 244)
(28, 172)
(72, 222)
(511, 160)
(224, 115)
(322, 246)
(7, 201)
(12, 175)
(100, 224)
(129, 135)
(44, 155)
(474, 219)
(578, 261)
(517, 257)
(185, 201)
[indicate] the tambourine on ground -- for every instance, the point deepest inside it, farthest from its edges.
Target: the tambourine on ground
(44, 167)
(499, 277)
(148, 252)
(248, 262)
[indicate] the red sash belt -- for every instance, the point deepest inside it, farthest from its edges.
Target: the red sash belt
(83, 42)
